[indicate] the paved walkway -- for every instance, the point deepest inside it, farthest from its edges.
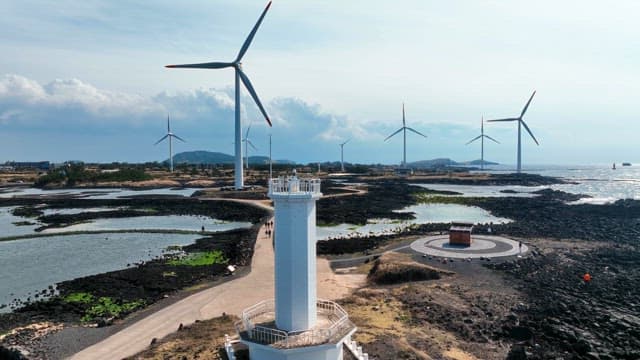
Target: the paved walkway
(482, 246)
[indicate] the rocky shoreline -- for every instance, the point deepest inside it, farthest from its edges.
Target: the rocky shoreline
(537, 307)
(555, 314)
(104, 298)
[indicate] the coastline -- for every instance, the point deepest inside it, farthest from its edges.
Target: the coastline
(584, 233)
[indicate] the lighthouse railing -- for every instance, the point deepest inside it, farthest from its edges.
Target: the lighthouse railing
(294, 185)
(257, 325)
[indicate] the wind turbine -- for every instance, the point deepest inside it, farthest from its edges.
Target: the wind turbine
(341, 155)
(482, 136)
(520, 124)
(404, 129)
(170, 135)
(247, 142)
(239, 76)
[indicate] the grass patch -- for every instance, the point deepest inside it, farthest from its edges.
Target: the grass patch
(103, 307)
(426, 198)
(106, 307)
(79, 297)
(201, 259)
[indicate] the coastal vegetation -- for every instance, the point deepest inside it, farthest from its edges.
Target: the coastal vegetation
(77, 173)
(200, 259)
(95, 308)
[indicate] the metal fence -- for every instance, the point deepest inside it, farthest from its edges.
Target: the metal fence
(294, 185)
(283, 339)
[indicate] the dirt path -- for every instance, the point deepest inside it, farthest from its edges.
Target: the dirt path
(231, 297)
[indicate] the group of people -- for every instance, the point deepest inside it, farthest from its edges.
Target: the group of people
(269, 226)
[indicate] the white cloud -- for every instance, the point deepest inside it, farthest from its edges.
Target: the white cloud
(26, 101)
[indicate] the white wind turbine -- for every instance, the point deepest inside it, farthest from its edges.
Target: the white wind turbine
(482, 136)
(170, 135)
(520, 124)
(404, 128)
(247, 143)
(341, 155)
(239, 76)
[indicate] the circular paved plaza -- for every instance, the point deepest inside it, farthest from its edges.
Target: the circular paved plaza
(481, 246)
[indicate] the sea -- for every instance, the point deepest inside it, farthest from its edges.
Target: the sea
(600, 182)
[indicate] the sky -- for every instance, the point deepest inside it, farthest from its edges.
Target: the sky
(85, 80)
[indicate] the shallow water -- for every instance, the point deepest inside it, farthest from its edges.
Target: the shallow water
(72, 211)
(168, 222)
(482, 190)
(98, 193)
(424, 213)
(31, 265)
(7, 226)
(602, 183)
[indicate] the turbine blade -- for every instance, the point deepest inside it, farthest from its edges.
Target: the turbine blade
(474, 139)
(246, 136)
(249, 39)
(211, 65)
(508, 119)
(527, 106)
(529, 131)
(168, 126)
(159, 141)
(252, 146)
(417, 132)
(247, 84)
(390, 136)
(179, 138)
(404, 121)
(492, 139)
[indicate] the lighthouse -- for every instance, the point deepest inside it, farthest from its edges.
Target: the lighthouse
(295, 325)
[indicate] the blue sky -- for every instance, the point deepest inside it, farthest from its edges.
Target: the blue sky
(85, 79)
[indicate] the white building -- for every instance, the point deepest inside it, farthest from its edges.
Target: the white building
(296, 325)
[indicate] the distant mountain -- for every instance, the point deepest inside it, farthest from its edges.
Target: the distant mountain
(478, 162)
(443, 162)
(209, 157)
(432, 163)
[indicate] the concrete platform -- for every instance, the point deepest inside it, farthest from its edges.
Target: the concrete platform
(482, 246)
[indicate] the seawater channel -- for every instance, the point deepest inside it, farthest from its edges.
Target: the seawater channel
(424, 214)
(32, 264)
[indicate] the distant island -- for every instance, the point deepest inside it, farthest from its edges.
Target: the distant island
(212, 158)
(442, 162)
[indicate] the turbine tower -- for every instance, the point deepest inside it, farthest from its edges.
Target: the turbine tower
(247, 143)
(240, 76)
(169, 135)
(341, 155)
(404, 129)
(520, 124)
(482, 136)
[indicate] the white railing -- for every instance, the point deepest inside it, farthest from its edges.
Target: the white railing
(228, 348)
(294, 185)
(356, 350)
(340, 324)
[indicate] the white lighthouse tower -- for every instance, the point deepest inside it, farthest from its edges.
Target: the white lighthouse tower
(295, 325)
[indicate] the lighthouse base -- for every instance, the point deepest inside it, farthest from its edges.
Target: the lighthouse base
(331, 351)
